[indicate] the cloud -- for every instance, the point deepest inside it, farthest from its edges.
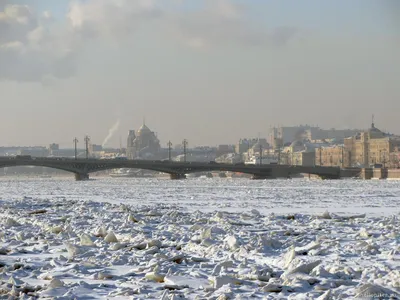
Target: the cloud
(117, 18)
(33, 45)
(28, 48)
(15, 22)
(223, 22)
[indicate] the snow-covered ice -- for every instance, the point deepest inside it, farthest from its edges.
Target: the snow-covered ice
(199, 239)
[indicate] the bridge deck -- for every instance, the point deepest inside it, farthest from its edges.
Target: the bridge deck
(86, 166)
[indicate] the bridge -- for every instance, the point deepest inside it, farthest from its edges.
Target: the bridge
(177, 170)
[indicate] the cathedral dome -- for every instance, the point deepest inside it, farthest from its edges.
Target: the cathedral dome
(143, 130)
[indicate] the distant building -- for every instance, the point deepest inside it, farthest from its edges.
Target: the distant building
(329, 134)
(332, 156)
(225, 149)
(373, 147)
(265, 159)
(299, 152)
(229, 158)
(142, 144)
(95, 148)
(68, 152)
(244, 145)
(130, 144)
(34, 151)
(54, 147)
(303, 158)
(281, 136)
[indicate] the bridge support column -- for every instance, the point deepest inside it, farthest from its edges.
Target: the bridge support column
(81, 176)
(261, 177)
(176, 176)
(329, 177)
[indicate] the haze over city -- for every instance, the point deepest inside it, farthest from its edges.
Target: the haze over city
(210, 71)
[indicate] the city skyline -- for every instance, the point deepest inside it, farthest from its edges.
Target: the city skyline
(164, 142)
(207, 71)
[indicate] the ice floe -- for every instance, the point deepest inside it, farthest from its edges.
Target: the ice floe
(62, 248)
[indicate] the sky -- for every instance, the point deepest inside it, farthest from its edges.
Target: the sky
(209, 71)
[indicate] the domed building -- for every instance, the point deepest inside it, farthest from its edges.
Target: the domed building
(142, 144)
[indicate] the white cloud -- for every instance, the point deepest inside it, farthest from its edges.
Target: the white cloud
(223, 22)
(20, 14)
(32, 46)
(110, 18)
(28, 49)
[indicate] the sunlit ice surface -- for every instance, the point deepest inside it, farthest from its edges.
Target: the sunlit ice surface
(205, 238)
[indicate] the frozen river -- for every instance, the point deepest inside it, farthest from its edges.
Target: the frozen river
(199, 239)
(297, 195)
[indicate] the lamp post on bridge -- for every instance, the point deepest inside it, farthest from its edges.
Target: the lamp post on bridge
(87, 140)
(185, 143)
(342, 157)
(278, 146)
(320, 155)
(169, 150)
(76, 147)
(384, 157)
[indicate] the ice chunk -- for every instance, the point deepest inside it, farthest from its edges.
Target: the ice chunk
(111, 238)
(267, 243)
(117, 246)
(55, 283)
(15, 281)
(11, 223)
(56, 229)
(185, 281)
(305, 267)
(288, 257)
(86, 240)
(272, 288)
(219, 281)
(364, 233)
(360, 216)
(304, 250)
(325, 296)
(132, 218)
(155, 275)
(370, 290)
(101, 232)
(325, 215)
(232, 242)
(72, 249)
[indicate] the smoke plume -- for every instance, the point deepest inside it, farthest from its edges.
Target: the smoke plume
(111, 132)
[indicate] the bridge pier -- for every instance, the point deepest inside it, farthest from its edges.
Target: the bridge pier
(177, 176)
(81, 176)
(261, 177)
(329, 177)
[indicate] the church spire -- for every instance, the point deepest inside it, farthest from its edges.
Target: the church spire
(373, 119)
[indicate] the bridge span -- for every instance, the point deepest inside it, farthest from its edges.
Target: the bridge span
(177, 170)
